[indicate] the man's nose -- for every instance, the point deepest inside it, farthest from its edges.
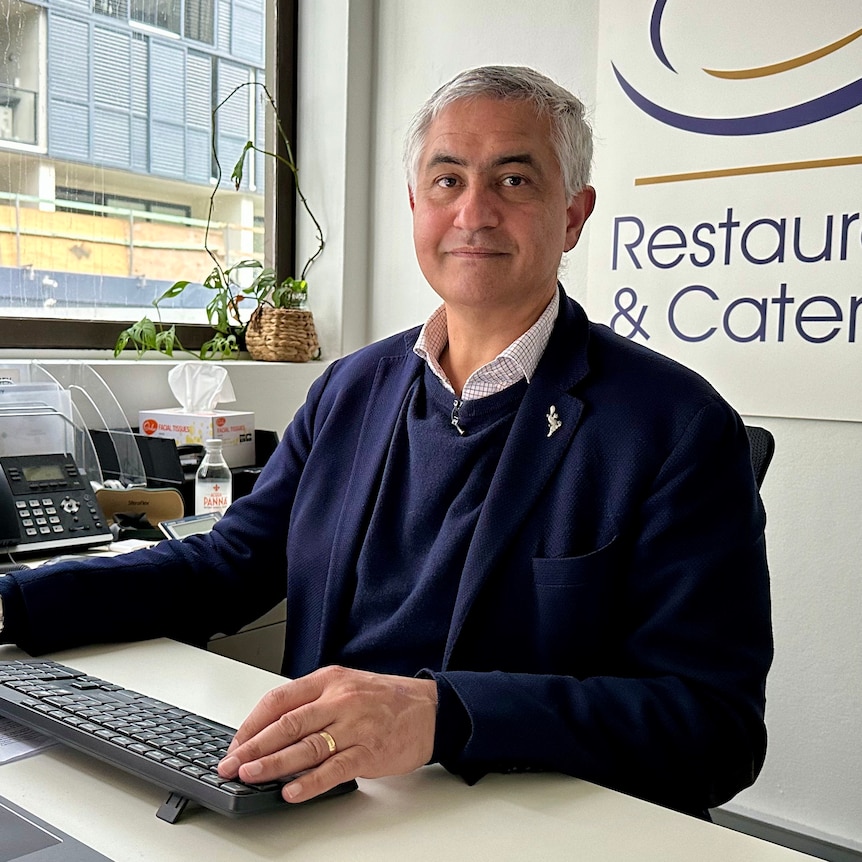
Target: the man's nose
(477, 209)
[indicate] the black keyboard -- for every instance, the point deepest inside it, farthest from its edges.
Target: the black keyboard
(171, 747)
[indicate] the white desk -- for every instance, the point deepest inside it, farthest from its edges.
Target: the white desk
(428, 815)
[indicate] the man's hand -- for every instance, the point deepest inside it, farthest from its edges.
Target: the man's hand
(380, 725)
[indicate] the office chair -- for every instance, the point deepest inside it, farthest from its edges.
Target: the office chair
(762, 449)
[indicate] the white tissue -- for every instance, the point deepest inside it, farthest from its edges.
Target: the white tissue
(199, 386)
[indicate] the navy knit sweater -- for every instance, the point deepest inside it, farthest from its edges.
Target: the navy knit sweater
(431, 493)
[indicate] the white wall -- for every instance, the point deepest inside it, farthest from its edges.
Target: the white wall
(418, 47)
(812, 494)
(812, 781)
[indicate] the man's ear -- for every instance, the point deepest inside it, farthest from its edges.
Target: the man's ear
(412, 199)
(579, 210)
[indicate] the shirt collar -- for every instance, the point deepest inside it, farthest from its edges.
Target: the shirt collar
(517, 361)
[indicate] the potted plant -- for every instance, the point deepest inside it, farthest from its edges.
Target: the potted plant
(278, 326)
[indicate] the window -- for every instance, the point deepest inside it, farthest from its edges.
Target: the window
(164, 14)
(198, 16)
(106, 157)
(104, 203)
(200, 21)
(114, 8)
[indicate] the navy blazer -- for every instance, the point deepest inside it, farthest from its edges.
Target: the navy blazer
(612, 620)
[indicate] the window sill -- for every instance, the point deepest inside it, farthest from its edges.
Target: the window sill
(273, 391)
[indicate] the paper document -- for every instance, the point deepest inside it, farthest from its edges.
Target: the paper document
(17, 741)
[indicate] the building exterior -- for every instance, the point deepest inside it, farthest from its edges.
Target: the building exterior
(107, 142)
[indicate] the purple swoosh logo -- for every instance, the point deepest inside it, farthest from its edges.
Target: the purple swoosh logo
(823, 107)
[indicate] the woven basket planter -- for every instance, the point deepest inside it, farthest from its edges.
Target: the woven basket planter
(282, 335)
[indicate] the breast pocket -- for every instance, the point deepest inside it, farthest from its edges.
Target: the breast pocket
(574, 610)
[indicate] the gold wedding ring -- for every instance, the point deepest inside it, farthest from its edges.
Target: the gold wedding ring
(330, 742)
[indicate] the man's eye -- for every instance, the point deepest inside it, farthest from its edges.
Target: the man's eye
(447, 182)
(513, 182)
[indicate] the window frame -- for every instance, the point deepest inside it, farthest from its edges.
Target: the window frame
(52, 333)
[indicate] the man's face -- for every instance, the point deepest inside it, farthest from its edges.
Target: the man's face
(490, 216)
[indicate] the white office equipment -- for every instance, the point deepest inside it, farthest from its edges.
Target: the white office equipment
(49, 467)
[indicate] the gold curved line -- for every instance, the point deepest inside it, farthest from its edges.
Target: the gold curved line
(793, 63)
(843, 161)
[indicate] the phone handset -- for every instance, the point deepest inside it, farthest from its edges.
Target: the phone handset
(10, 523)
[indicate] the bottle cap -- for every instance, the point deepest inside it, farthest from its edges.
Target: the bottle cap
(213, 443)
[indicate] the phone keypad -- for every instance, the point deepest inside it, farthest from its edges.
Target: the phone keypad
(41, 517)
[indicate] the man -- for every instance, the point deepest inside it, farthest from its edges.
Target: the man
(511, 541)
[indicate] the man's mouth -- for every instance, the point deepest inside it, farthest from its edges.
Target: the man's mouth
(475, 252)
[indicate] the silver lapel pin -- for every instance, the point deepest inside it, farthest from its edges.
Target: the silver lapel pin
(553, 420)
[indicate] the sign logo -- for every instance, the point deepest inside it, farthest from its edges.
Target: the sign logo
(150, 426)
(829, 104)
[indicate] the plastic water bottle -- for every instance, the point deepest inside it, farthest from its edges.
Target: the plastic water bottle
(213, 481)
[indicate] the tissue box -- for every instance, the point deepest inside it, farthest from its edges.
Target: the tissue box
(234, 428)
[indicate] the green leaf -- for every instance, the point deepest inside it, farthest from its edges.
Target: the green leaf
(236, 174)
(165, 341)
(219, 346)
(248, 263)
(173, 291)
(291, 293)
(122, 342)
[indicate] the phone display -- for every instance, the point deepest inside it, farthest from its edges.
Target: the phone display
(179, 528)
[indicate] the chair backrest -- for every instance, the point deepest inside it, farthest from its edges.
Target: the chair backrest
(762, 449)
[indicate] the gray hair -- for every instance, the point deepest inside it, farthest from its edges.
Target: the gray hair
(571, 136)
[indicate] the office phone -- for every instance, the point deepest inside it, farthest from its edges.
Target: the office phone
(47, 506)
